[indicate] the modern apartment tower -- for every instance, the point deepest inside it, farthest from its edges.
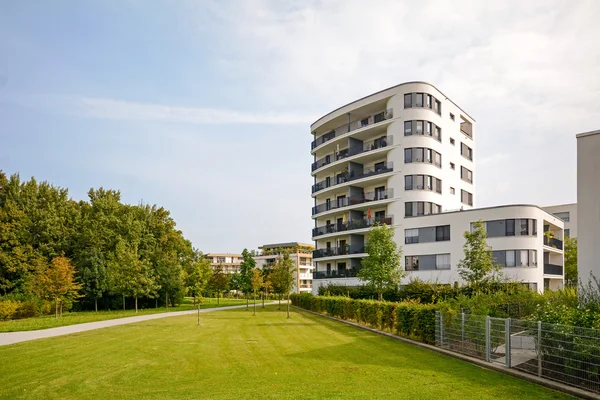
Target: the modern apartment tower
(405, 156)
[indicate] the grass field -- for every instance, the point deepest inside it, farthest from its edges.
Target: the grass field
(235, 355)
(48, 321)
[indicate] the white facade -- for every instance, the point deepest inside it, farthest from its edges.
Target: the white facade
(405, 157)
(230, 263)
(588, 205)
(568, 213)
(301, 256)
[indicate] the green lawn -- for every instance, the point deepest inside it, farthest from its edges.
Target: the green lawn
(48, 321)
(235, 355)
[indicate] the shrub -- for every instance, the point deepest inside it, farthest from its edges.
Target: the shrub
(8, 309)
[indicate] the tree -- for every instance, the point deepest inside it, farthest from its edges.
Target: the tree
(219, 282)
(283, 277)
(235, 282)
(246, 267)
(381, 268)
(199, 280)
(257, 283)
(571, 277)
(57, 281)
(267, 287)
(478, 264)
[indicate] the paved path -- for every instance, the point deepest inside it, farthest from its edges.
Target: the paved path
(7, 338)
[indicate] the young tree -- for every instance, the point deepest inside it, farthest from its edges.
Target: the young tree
(219, 282)
(257, 283)
(381, 268)
(283, 277)
(267, 286)
(246, 267)
(57, 282)
(571, 277)
(199, 280)
(478, 265)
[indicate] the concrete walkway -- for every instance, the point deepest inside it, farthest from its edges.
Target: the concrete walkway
(7, 338)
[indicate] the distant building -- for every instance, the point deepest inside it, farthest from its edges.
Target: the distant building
(301, 256)
(229, 262)
(588, 205)
(568, 213)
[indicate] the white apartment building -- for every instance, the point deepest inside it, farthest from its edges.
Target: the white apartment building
(588, 205)
(404, 156)
(229, 262)
(301, 255)
(568, 213)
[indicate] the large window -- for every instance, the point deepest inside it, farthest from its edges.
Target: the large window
(407, 128)
(419, 100)
(419, 130)
(466, 151)
(417, 208)
(442, 233)
(565, 216)
(408, 100)
(422, 154)
(411, 236)
(412, 263)
(425, 128)
(515, 258)
(422, 182)
(428, 262)
(442, 261)
(466, 197)
(466, 174)
(510, 227)
(427, 234)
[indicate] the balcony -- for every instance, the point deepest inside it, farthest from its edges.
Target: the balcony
(354, 200)
(338, 251)
(352, 126)
(352, 151)
(350, 225)
(552, 269)
(552, 242)
(352, 176)
(342, 273)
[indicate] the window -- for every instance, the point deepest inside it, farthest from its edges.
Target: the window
(510, 227)
(452, 116)
(510, 258)
(411, 236)
(419, 100)
(442, 233)
(417, 208)
(452, 191)
(534, 227)
(408, 156)
(524, 227)
(452, 142)
(419, 181)
(567, 232)
(438, 133)
(408, 182)
(421, 208)
(419, 128)
(428, 131)
(466, 197)
(408, 209)
(452, 166)
(565, 216)
(418, 154)
(427, 155)
(438, 185)
(428, 101)
(408, 100)
(438, 107)
(442, 261)
(220, 259)
(407, 128)
(412, 263)
(466, 174)
(437, 159)
(524, 258)
(466, 151)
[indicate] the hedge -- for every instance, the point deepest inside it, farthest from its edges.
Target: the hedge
(408, 319)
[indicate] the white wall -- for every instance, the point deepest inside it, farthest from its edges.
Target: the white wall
(571, 225)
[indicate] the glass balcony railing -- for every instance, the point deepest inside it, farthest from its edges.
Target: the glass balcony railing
(354, 200)
(552, 242)
(341, 273)
(351, 225)
(351, 176)
(338, 251)
(352, 151)
(552, 269)
(352, 126)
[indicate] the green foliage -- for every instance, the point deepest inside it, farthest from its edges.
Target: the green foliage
(478, 264)
(571, 277)
(218, 281)
(381, 268)
(8, 309)
(246, 266)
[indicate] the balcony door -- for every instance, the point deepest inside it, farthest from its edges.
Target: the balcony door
(380, 193)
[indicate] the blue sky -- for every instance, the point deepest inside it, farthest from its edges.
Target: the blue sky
(204, 107)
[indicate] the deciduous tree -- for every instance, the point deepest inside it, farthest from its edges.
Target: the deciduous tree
(257, 283)
(219, 282)
(571, 277)
(57, 282)
(478, 264)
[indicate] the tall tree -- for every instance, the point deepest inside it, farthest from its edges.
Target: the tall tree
(283, 277)
(219, 282)
(199, 280)
(571, 277)
(257, 283)
(478, 265)
(246, 267)
(57, 282)
(381, 268)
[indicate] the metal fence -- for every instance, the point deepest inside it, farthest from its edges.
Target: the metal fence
(563, 353)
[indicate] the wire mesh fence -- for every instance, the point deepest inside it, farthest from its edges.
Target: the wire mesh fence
(567, 354)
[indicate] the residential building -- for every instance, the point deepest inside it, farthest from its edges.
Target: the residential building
(405, 157)
(229, 262)
(568, 213)
(588, 205)
(301, 255)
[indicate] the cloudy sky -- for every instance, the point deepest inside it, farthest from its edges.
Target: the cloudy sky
(204, 107)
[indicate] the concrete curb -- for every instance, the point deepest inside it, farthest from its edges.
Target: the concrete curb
(570, 390)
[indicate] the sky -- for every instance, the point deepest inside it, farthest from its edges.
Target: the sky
(204, 107)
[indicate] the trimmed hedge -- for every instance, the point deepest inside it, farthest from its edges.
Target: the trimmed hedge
(408, 319)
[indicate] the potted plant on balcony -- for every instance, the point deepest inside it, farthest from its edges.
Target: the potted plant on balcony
(549, 235)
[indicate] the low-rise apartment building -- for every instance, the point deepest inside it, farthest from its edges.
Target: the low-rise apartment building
(230, 263)
(301, 255)
(568, 213)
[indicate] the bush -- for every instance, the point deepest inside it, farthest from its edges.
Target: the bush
(8, 309)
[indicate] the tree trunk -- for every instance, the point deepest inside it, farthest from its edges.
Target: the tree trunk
(279, 306)
(167, 299)
(218, 298)
(96, 303)
(380, 296)
(247, 302)
(56, 307)
(254, 303)
(263, 299)
(288, 305)
(61, 308)
(198, 314)
(156, 302)
(136, 310)
(123, 302)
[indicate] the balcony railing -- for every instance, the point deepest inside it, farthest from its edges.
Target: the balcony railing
(342, 273)
(352, 151)
(552, 269)
(351, 225)
(552, 242)
(338, 251)
(353, 125)
(351, 176)
(354, 200)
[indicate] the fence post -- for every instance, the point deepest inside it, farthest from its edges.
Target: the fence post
(441, 329)
(462, 334)
(507, 346)
(539, 348)
(487, 338)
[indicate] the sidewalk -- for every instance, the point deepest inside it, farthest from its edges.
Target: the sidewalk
(7, 338)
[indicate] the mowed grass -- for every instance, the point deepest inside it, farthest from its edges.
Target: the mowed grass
(234, 355)
(72, 318)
